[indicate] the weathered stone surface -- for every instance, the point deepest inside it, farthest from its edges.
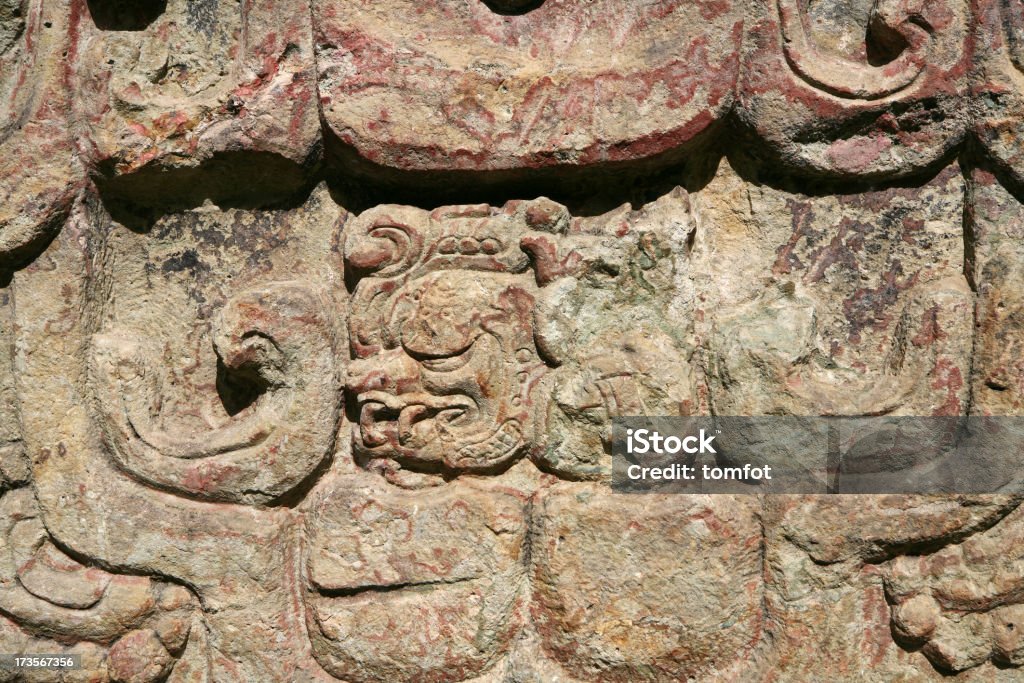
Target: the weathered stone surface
(455, 559)
(484, 85)
(859, 89)
(173, 84)
(999, 70)
(962, 604)
(863, 291)
(626, 588)
(459, 314)
(40, 171)
(314, 320)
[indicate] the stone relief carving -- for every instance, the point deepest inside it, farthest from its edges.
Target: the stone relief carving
(130, 627)
(172, 84)
(458, 85)
(315, 320)
(40, 171)
(465, 353)
(880, 96)
(870, 295)
(278, 335)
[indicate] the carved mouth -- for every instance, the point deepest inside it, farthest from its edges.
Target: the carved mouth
(408, 421)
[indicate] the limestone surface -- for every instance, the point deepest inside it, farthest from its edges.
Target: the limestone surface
(314, 319)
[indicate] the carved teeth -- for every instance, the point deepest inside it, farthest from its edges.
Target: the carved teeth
(383, 416)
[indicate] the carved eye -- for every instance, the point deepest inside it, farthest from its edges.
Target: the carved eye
(448, 363)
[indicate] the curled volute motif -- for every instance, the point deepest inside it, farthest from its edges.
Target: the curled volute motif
(859, 89)
(850, 79)
(277, 337)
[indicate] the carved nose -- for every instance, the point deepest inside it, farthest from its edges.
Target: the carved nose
(392, 372)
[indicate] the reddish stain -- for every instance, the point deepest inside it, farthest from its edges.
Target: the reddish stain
(929, 332)
(946, 375)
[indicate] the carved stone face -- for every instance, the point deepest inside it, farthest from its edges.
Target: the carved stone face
(451, 387)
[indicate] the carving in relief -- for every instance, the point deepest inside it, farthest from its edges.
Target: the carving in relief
(174, 83)
(467, 320)
(859, 89)
(485, 335)
(831, 566)
(452, 556)
(466, 84)
(277, 339)
(182, 481)
(894, 25)
(246, 435)
(867, 293)
(964, 604)
(39, 174)
(128, 627)
(961, 604)
(444, 353)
